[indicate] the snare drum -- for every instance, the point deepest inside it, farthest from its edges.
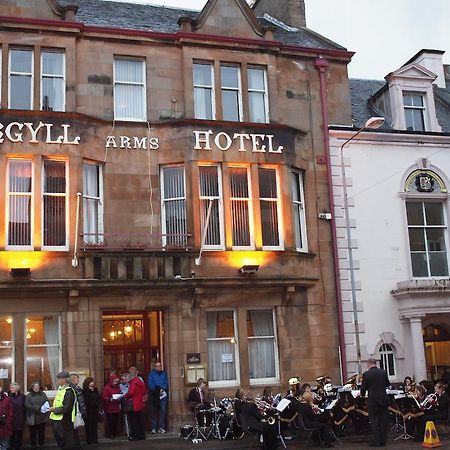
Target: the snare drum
(204, 417)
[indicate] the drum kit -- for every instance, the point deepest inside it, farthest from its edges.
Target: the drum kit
(216, 421)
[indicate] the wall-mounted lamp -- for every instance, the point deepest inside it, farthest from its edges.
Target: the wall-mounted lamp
(20, 272)
(249, 269)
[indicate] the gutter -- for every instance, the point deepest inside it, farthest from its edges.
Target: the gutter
(322, 66)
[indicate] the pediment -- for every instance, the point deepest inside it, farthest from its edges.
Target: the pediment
(34, 9)
(414, 70)
(228, 18)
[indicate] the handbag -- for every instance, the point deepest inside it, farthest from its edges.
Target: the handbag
(78, 422)
(30, 420)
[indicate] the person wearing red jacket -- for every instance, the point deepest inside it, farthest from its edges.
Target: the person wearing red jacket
(111, 405)
(6, 419)
(137, 393)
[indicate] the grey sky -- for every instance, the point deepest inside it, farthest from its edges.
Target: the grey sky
(383, 33)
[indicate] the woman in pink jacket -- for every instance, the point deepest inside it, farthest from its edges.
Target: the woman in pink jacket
(137, 393)
(111, 405)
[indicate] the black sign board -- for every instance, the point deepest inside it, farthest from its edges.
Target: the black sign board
(193, 358)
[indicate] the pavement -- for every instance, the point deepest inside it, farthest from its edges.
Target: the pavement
(173, 441)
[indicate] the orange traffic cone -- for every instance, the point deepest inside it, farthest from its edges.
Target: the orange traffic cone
(431, 438)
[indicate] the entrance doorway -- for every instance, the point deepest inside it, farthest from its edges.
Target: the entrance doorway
(437, 350)
(132, 338)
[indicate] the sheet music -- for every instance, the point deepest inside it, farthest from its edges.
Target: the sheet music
(284, 403)
(331, 405)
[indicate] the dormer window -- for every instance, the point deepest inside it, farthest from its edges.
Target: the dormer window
(414, 106)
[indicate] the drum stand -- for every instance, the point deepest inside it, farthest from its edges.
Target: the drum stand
(214, 430)
(404, 436)
(196, 432)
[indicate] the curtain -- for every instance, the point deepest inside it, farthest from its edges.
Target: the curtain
(209, 192)
(268, 193)
(91, 200)
(52, 81)
(20, 79)
(261, 348)
(51, 332)
(203, 91)
(174, 203)
(240, 214)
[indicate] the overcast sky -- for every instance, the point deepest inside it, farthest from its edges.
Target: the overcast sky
(383, 33)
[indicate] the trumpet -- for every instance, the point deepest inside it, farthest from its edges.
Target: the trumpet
(429, 402)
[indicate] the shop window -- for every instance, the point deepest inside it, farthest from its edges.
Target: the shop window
(204, 91)
(231, 93)
(414, 106)
(427, 238)
(223, 364)
(211, 207)
(270, 209)
(54, 205)
(6, 352)
(129, 90)
(241, 210)
(20, 204)
(53, 85)
(387, 359)
(298, 211)
(173, 197)
(257, 95)
(92, 204)
(20, 78)
(43, 350)
(262, 346)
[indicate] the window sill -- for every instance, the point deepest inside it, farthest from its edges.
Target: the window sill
(223, 384)
(264, 382)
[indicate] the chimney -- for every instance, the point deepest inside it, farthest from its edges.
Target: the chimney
(291, 12)
(431, 60)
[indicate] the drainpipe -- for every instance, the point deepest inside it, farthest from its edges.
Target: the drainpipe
(322, 66)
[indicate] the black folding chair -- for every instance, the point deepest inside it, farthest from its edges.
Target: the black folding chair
(241, 422)
(443, 426)
(305, 431)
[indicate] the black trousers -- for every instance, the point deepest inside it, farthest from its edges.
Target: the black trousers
(112, 424)
(64, 433)
(137, 427)
(37, 435)
(91, 425)
(15, 441)
(379, 420)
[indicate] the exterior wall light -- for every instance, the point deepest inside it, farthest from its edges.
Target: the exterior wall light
(249, 270)
(20, 272)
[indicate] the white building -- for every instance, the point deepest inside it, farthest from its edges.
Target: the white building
(398, 179)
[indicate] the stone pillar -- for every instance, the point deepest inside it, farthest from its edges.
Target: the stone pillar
(420, 367)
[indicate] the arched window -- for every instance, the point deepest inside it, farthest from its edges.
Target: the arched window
(387, 359)
(427, 227)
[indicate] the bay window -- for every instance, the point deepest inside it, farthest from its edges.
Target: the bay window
(204, 91)
(262, 346)
(173, 208)
(223, 363)
(92, 204)
(53, 88)
(211, 207)
(129, 90)
(54, 206)
(6, 352)
(43, 350)
(298, 211)
(20, 94)
(231, 93)
(20, 204)
(257, 95)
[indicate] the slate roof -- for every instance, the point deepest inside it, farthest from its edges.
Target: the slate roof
(165, 19)
(362, 90)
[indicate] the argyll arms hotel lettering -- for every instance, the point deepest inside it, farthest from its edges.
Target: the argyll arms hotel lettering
(18, 131)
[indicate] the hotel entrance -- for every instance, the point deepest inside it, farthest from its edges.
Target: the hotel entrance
(131, 339)
(437, 350)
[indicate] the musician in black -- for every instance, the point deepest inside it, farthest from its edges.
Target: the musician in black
(375, 381)
(439, 402)
(197, 396)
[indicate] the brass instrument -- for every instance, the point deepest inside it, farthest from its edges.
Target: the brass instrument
(271, 420)
(352, 382)
(429, 402)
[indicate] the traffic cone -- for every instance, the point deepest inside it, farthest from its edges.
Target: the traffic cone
(431, 438)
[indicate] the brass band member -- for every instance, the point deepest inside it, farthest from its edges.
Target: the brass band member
(294, 387)
(439, 402)
(197, 396)
(375, 382)
(408, 385)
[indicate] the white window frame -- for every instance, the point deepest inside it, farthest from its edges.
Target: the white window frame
(418, 199)
(31, 75)
(66, 195)
(384, 359)
(163, 200)
(265, 91)
(279, 209)
(202, 86)
(300, 210)
(238, 90)
(249, 201)
(221, 246)
(276, 379)
(423, 108)
(28, 194)
(63, 76)
(26, 346)
(100, 222)
(12, 347)
(144, 84)
(237, 380)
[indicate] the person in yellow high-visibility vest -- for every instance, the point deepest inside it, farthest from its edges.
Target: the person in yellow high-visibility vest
(62, 413)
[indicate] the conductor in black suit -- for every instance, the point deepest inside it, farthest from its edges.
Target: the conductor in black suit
(375, 381)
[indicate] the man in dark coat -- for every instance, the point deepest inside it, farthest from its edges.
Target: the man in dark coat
(375, 381)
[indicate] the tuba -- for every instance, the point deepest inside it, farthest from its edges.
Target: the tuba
(352, 382)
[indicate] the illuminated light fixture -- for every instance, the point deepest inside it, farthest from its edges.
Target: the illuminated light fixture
(9, 320)
(249, 269)
(233, 340)
(112, 334)
(128, 330)
(20, 272)
(104, 339)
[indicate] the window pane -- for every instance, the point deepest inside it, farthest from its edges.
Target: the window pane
(407, 100)
(414, 213)
(54, 221)
(269, 224)
(221, 360)
(21, 60)
(6, 362)
(256, 79)
(229, 77)
(19, 220)
(174, 206)
(418, 120)
(257, 107)
(129, 101)
(91, 180)
(128, 71)
(52, 94)
(438, 264)
(220, 324)
(391, 366)
(209, 182)
(53, 63)
(203, 74)
(20, 92)
(419, 264)
(209, 188)
(6, 331)
(436, 240)
(230, 105)
(173, 182)
(261, 345)
(240, 208)
(55, 176)
(239, 182)
(434, 213)
(19, 175)
(260, 323)
(417, 100)
(203, 103)
(267, 183)
(417, 239)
